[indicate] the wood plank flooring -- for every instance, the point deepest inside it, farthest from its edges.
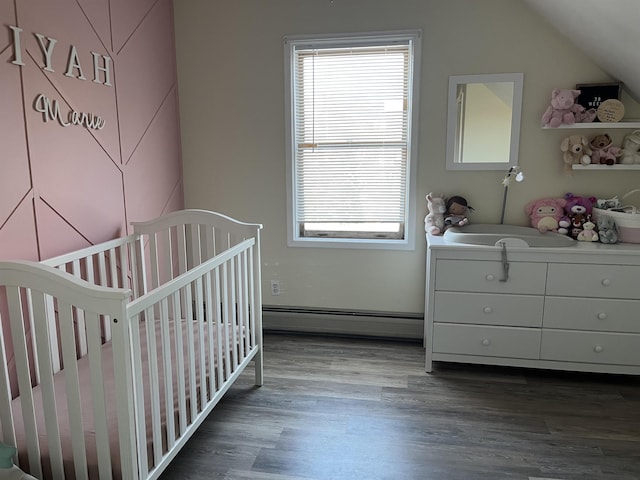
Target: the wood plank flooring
(345, 408)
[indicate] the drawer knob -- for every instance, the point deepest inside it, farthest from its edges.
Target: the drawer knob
(487, 309)
(490, 277)
(486, 342)
(606, 282)
(602, 316)
(598, 348)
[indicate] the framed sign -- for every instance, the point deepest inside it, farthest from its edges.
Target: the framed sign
(593, 94)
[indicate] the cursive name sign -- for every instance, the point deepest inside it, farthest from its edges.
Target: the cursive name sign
(50, 110)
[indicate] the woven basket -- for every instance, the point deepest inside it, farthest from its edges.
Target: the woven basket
(627, 220)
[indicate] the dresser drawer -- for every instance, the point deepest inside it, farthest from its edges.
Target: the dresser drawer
(590, 347)
(488, 309)
(607, 281)
(602, 315)
(484, 276)
(487, 341)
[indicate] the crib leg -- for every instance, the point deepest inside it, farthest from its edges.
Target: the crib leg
(258, 364)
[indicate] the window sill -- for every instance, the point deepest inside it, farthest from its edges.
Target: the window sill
(357, 243)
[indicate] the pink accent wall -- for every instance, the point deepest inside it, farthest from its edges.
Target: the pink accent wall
(64, 188)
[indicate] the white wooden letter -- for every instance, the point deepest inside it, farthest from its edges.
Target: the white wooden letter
(74, 63)
(17, 50)
(97, 69)
(46, 45)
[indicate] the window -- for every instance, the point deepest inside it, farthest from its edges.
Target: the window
(351, 118)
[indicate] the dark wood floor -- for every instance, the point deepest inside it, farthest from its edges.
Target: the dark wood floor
(336, 408)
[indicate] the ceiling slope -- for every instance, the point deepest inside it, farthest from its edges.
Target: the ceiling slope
(605, 30)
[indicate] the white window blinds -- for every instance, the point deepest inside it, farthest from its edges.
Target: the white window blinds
(351, 140)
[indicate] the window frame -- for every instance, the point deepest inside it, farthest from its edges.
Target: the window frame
(294, 238)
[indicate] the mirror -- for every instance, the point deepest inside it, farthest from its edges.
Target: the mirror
(483, 123)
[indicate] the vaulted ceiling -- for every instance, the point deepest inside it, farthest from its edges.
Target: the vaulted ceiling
(608, 31)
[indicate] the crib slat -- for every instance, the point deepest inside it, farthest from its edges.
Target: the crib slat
(234, 312)
(81, 331)
(71, 377)
(201, 324)
(193, 398)
(139, 272)
(195, 246)
(167, 369)
(50, 319)
(141, 437)
(42, 336)
(14, 299)
(166, 253)
(182, 387)
(181, 241)
(152, 359)
(226, 315)
(244, 285)
(31, 318)
(124, 266)
(98, 395)
(153, 261)
(210, 329)
(218, 322)
(113, 267)
(255, 306)
(209, 243)
(6, 412)
(239, 318)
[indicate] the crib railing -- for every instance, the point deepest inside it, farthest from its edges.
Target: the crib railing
(112, 264)
(194, 277)
(195, 334)
(32, 290)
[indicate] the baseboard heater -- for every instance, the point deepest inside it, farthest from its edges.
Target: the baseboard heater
(343, 322)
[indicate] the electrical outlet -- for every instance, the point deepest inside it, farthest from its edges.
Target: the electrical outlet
(275, 287)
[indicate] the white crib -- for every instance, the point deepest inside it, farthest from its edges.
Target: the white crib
(113, 355)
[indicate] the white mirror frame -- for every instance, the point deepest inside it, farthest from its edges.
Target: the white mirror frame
(454, 163)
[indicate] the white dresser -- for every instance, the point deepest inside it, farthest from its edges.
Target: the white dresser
(569, 308)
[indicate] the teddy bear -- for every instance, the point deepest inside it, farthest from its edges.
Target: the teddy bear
(588, 234)
(434, 221)
(603, 150)
(545, 213)
(631, 148)
(563, 108)
(456, 214)
(575, 150)
(607, 229)
(578, 211)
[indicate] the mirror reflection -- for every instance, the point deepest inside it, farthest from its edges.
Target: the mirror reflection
(483, 121)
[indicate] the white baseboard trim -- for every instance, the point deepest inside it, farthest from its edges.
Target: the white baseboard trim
(343, 322)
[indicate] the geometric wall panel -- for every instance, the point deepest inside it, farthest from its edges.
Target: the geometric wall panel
(15, 181)
(67, 187)
(55, 234)
(151, 173)
(126, 16)
(97, 11)
(18, 235)
(64, 187)
(145, 75)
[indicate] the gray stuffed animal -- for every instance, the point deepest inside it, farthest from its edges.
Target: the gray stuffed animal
(607, 229)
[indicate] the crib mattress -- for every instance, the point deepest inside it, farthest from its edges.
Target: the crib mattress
(110, 398)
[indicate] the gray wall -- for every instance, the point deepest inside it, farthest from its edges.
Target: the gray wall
(230, 69)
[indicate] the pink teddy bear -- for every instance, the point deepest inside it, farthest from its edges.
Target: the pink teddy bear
(563, 109)
(545, 214)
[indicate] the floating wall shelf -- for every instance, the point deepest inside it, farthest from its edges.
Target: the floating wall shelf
(598, 125)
